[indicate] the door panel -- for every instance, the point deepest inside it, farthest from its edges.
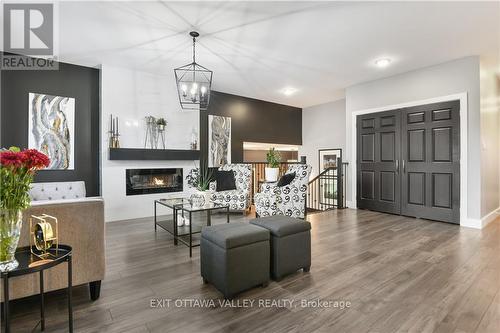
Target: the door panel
(416, 145)
(367, 185)
(430, 177)
(416, 188)
(377, 157)
(387, 186)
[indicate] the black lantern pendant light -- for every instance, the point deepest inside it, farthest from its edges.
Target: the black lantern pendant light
(193, 82)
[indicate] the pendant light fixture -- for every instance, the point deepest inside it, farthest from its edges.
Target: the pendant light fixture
(193, 82)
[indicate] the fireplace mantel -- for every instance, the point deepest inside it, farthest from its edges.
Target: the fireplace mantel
(132, 154)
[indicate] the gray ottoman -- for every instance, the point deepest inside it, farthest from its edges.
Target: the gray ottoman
(290, 244)
(235, 257)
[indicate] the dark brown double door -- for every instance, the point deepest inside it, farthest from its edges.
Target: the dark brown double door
(408, 161)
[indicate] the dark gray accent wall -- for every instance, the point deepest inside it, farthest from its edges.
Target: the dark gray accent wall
(252, 120)
(81, 83)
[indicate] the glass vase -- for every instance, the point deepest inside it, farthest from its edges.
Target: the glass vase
(11, 221)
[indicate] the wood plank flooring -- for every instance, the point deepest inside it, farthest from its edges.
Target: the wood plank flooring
(399, 274)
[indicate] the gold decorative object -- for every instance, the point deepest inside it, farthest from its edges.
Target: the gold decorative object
(44, 233)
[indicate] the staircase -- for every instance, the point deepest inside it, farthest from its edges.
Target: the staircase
(327, 190)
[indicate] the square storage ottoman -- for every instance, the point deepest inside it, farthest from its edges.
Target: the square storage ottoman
(235, 257)
(290, 244)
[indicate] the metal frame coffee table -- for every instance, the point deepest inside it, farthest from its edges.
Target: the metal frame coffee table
(185, 206)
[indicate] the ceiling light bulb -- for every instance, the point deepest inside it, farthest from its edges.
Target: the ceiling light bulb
(383, 62)
(203, 90)
(288, 91)
(195, 86)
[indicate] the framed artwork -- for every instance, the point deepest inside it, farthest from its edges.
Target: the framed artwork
(219, 140)
(328, 158)
(51, 128)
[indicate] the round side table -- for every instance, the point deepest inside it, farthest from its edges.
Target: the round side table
(28, 264)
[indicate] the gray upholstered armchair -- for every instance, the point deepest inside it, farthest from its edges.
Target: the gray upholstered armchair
(289, 200)
(238, 199)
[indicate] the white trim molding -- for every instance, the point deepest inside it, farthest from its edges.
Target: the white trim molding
(490, 217)
(483, 222)
(462, 97)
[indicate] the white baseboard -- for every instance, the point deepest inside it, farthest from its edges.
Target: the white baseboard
(471, 223)
(490, 217)
(483, 222)
(350, 204)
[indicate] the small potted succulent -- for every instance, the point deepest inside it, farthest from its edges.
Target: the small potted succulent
(161, 123)
(273, 162)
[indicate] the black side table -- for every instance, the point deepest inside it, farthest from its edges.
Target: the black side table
(28, 263)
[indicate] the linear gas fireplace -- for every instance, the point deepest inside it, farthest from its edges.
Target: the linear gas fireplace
(147, 181)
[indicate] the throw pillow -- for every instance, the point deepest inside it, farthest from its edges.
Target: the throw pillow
(225, 180)
(286, 179)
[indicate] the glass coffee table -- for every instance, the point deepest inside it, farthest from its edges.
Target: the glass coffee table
(184, 207)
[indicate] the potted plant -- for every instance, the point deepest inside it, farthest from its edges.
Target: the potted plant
(161, 123)
(17, 169)
(273, 162)
(200, 179)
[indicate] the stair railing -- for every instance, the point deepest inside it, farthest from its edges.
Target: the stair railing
(327, 190)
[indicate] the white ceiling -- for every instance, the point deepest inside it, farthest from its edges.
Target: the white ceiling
(257, 48)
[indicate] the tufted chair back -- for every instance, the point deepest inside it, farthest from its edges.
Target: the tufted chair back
(57, 190)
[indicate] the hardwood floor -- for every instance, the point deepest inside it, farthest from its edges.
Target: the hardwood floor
(399, 274)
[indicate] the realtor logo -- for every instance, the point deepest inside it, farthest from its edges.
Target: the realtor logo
(28, 30)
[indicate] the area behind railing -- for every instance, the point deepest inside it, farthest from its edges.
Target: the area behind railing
(325, 191)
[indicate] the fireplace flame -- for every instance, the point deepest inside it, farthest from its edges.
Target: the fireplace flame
(158, 182)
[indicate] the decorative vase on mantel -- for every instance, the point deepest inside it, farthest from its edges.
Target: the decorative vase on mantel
(17, 169)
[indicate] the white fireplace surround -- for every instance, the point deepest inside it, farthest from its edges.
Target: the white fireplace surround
(133, 95)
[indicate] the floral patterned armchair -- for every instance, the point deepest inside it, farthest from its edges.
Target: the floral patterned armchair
(238, 199)
(289, 200)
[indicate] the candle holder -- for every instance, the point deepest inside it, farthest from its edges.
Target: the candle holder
(151, 129)
(114, 141)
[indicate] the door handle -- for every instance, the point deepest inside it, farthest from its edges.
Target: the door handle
(404, 167)
(397, 166)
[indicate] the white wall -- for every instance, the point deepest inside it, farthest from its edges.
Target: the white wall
(133, 95)
(450, 78)
(322, 128)
(490, 134)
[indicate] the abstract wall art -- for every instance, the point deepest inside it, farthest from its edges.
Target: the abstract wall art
(51, 129)
(219, 140)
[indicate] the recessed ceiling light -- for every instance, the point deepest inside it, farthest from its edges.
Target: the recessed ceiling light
(382, 62)
(288, 91)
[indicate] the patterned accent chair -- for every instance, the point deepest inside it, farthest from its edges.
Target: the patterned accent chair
(288, 200)
(238, 199)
